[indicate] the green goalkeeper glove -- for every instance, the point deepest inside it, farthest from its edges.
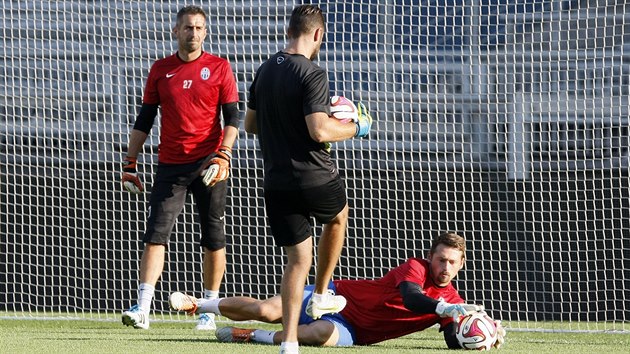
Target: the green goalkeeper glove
(364, 123)
(130, 179)
(444, 309)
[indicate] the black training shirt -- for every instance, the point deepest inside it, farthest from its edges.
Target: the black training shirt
(286, 88)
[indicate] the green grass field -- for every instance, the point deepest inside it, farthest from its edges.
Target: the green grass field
(84, 336)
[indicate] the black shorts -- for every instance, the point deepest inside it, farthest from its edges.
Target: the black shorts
(290, 212)
(168, 196)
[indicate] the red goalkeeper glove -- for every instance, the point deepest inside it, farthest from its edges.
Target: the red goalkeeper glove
(218, 168)
(130, 179)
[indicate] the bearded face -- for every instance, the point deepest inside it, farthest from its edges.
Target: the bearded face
(190, 33)
(445, 263)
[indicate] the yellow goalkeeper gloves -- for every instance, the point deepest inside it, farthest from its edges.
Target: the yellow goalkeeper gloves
(364, 123)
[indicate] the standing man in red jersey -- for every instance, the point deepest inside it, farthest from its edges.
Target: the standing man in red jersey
(192, 88)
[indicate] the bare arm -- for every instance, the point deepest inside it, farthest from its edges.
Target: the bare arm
(230, 134)
(324, 129)
(250, 122)
(136, 141)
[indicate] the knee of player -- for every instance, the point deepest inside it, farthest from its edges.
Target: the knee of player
(314, 339)
(342, 216)
(318, 333)
(345, 212)
(265, 314)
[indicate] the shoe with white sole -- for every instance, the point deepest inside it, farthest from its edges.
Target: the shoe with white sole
(330, 303)
(182, 302)
(206, 322)
(136, 318)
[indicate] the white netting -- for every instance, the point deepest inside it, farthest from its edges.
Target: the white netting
(503, 120)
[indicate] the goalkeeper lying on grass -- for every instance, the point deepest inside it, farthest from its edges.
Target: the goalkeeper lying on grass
(409, 298)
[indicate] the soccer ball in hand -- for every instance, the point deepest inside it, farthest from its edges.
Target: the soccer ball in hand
(343, 109)
(476, 331)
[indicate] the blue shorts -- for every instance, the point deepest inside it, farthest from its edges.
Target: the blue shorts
(346, 332)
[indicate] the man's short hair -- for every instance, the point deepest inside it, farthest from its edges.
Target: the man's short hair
(449, 239)
(191, 10)
(304, 19)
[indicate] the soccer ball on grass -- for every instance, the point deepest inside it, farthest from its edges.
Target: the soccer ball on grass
(476, 331)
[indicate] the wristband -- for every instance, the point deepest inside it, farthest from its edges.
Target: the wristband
(226, 150)
(129, 164)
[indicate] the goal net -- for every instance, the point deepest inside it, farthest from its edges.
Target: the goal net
(503, 120)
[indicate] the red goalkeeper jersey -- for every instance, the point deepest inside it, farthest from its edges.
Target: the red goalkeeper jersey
(190, 95)
(375, 307)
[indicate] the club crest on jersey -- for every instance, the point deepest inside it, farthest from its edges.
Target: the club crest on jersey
(279, 60)
(205, 73)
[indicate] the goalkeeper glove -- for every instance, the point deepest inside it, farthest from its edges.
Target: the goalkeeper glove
(444, 309)
(130, 179)
(218, 168)
(364, 122)
(500, 335)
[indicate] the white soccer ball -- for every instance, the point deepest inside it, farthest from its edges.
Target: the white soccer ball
(343, 109)
(477, 331)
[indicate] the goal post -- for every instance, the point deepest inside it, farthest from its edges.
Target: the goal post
(504, 121)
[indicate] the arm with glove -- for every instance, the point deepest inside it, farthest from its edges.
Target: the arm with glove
(415, 300)
(349, 121)
(141, 128)
(218, 167)
(130, 180)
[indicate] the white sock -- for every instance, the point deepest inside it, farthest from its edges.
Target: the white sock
(262, 336)
(289, 348)
(209, 305)
(210, 294)
(318, 297)
(145, 296)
